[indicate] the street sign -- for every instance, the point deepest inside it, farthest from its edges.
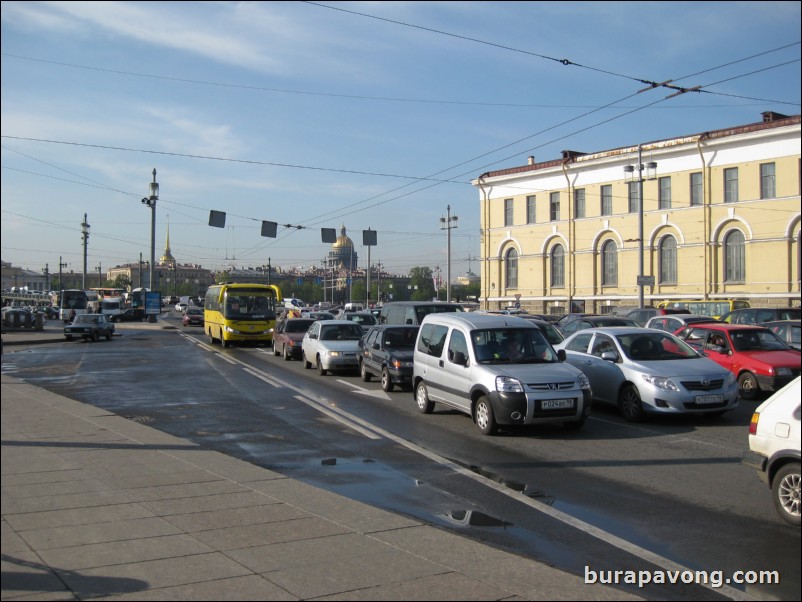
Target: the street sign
(153, 303)
(645, 280)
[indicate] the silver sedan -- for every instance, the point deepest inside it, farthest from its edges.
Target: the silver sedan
(645, 371)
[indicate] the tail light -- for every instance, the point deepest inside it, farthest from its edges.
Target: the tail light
(753, 423)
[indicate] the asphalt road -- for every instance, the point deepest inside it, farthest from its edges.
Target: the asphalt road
(668, 494)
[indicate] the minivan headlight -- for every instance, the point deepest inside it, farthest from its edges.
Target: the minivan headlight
(584, 383)
(508, 384)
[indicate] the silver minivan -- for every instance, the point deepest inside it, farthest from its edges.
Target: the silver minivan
(498, 369)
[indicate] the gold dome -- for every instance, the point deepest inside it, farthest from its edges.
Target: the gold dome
(342, 241)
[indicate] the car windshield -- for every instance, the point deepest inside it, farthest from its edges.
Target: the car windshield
(511, 346)
(86, 319)
(348, 331)
(366, 319)
(656, 346)
(756, 340)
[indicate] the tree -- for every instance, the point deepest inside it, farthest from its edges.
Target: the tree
(121, 281)
(422, 283)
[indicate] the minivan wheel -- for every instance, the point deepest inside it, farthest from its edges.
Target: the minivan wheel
(422, 399)
(630, 404)
(785, 492)
(484, 416)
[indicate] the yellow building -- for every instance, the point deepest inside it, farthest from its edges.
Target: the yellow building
(720, 219)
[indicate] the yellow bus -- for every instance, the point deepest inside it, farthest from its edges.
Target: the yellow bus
(238, 312)
(712, 307)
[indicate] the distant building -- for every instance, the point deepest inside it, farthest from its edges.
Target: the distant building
(22, 278)
(170, 277)
(469, 278)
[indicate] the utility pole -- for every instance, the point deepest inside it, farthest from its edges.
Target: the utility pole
(47, 277)
(448, 224)
(60, 277)
(85, 233)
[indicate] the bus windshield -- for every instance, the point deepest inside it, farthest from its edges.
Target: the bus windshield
(245, 304)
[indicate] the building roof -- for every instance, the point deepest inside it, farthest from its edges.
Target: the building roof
(771, 120)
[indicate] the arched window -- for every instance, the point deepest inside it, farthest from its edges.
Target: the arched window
(557, 266)
(609, 259)
(511, 268)
(668, 260)
(734, 257)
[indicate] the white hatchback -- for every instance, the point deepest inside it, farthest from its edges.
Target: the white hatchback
(774, 449)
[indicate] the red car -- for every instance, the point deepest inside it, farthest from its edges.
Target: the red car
(288, 336)
(193, 316)
(761, 361)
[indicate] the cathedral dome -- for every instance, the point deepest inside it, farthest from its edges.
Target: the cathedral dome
(342, 241)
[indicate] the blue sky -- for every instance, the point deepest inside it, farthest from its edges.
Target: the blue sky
(363, 114)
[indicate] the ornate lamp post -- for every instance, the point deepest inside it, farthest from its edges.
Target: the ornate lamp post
(150, 201)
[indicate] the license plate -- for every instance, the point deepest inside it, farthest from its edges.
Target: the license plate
(556, 404)
(709, 398)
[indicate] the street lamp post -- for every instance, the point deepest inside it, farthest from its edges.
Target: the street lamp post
(631, 169)
(150, 201)
(447, 223)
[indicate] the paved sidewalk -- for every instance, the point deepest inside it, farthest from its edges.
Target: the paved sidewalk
(98, 506)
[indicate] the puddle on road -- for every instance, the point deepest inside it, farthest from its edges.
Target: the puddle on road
(475, 518)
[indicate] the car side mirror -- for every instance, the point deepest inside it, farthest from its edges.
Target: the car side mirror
(312, 336)
(376, 346)
(561, 355)
(610, 356)
(460, 358)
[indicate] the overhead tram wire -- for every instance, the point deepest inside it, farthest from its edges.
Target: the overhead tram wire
(563, 61)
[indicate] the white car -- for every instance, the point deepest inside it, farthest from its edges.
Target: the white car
(774, 449)
(181, 306)
(332, 345)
